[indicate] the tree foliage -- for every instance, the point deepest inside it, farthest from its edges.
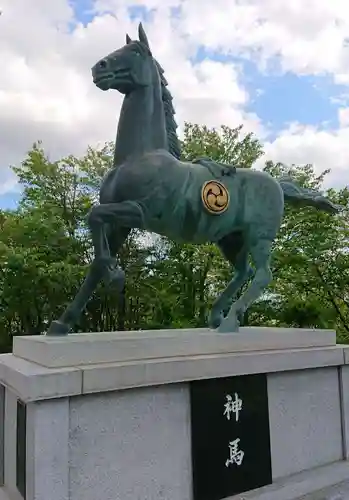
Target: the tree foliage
(45, 249)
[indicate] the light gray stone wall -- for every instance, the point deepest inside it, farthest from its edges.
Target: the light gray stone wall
(10, 444)
(136, 444)
(48, 450)
(344, 392)
(131, 445)
(2, 432)
(305, 419)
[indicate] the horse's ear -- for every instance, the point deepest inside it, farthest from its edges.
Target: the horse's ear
(128, 39)
(142, 36)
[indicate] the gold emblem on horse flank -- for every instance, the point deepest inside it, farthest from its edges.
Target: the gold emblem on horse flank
(215, 197)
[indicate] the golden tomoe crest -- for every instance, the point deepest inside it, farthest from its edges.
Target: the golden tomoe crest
(215, 197)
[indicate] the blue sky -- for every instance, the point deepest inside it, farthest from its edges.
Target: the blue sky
(278, 99)
(9, 200)
(291, 98)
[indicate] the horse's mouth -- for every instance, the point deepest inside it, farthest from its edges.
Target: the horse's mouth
(110, 80)
(103, 82)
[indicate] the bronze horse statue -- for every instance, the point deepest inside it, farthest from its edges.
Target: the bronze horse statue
(203, 201)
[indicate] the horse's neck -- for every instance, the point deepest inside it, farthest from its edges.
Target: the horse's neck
(141, 124)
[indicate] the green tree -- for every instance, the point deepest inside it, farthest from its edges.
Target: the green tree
(311, 259)
(227, 145)
(45, 249)
(36, 257)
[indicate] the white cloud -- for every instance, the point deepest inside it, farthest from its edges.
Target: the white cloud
(46, 90)
(343, 117)
(301, 144)
(308, 36)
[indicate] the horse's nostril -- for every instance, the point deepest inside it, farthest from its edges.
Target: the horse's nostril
(103, 64)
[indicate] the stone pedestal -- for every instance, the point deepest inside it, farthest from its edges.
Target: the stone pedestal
(143, 415)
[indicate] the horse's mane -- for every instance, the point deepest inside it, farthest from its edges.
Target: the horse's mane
(171, 125)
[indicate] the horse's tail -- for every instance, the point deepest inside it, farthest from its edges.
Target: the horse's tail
(299, 196)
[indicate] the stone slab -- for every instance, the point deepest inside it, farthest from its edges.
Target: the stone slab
(335, 492)
(32, 382)
(114, 347)
(299, 486)
(4, 494)
(116, 376)
(346, 353)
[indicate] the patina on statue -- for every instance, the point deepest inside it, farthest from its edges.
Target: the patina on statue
(150, 188)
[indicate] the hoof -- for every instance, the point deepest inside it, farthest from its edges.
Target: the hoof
(229, 325)
(215, 320)
(217, 315)
(58, 328)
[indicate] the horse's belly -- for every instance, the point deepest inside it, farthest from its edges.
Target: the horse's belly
(173, 227)
(176, 210)
(191, 224)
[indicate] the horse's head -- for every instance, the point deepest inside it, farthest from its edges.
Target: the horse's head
(128, 68)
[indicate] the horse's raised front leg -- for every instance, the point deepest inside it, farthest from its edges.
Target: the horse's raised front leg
(123, 216)
(234, 250)
(260, 252)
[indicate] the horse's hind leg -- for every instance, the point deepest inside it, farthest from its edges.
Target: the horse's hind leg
(260, 251)
(124, 215)
(234, 249)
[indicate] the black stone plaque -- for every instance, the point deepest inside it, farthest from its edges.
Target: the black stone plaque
(21, 446)
(230, 436)
(2, 434)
